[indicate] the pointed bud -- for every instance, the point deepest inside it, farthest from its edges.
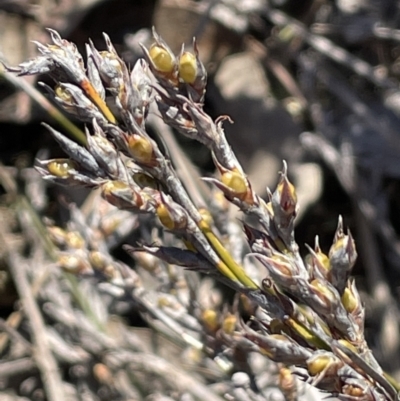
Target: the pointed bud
(141, 80)
(108, 65)
(342, 256)
(352, 303)
(93, 72)
(323, 260)
(173, 256)
(317, 261)
(284, 206)
(284, 199)
(349, 301)
(117, 78)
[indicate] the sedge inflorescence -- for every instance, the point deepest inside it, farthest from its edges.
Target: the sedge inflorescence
(306, 312)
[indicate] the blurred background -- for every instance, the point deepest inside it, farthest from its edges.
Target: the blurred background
(312, 82)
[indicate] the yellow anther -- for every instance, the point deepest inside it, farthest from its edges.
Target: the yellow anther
(63, 94)
(235, 181)
(188, 67)
(61, 168)
(140, 148)
(111, 186)
(349, 301)
(210, 319)
(165, 217)
(318, 364)
(163, 60)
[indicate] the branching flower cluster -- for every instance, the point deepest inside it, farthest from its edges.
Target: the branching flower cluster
(307, 313)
